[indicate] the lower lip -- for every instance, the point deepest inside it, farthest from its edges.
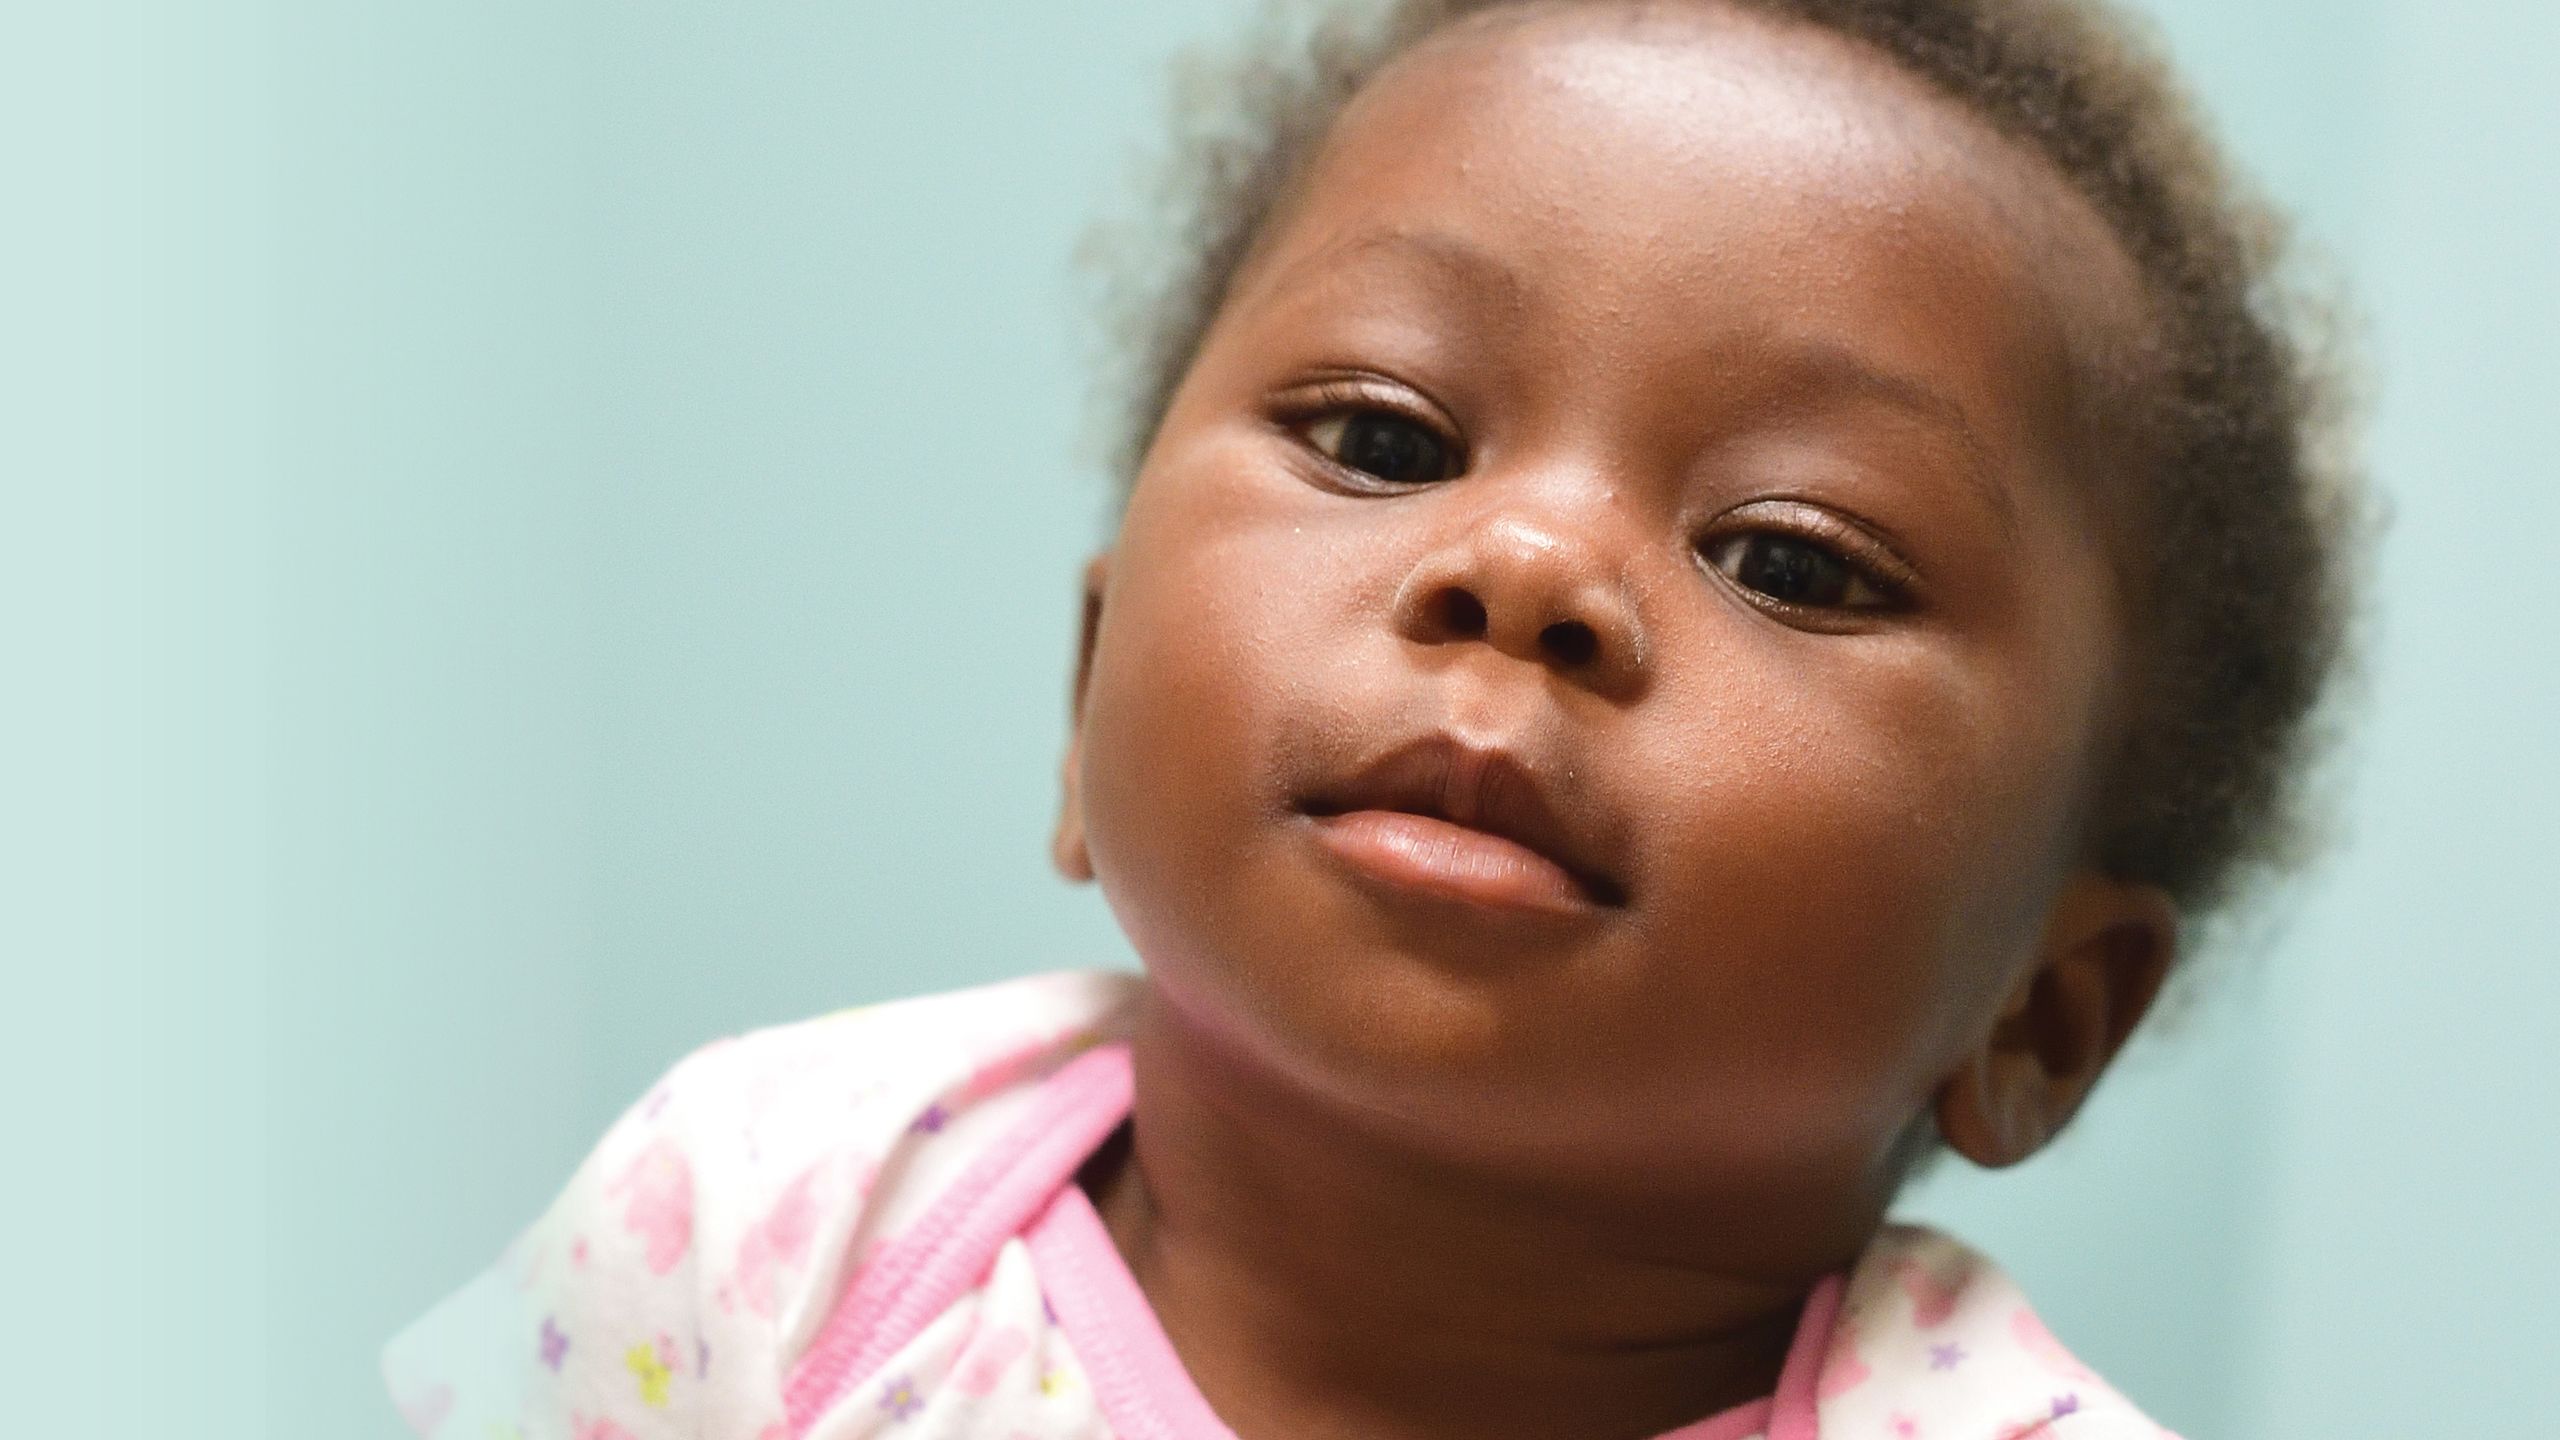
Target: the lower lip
(1451, 862)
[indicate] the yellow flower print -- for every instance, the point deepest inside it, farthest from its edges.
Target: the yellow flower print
(653, 1373)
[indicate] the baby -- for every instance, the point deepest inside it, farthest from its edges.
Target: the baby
(1708, 585)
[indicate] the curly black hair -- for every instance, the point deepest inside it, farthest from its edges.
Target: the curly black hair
(2252, 510)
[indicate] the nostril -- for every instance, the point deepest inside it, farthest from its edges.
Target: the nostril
(1570, 643)
(1460, 614)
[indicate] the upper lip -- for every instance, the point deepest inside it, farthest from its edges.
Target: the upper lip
(1483, 788)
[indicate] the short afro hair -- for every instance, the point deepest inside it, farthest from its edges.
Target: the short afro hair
(2252, 507)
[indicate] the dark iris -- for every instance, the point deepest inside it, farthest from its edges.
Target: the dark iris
(1392, 448)
(1794, 571)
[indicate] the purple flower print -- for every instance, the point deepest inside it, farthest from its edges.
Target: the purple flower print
(555, 1346)
(1946, 1357)
(2066, 1405)
(933, 1118)
(900, 1399)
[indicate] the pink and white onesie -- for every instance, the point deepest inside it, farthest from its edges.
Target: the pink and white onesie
(866, 1227)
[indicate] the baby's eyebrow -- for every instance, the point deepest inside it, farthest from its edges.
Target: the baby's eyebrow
(1820, 371)
(1461, 262)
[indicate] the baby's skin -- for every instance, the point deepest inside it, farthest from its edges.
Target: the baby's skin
(1590, 719)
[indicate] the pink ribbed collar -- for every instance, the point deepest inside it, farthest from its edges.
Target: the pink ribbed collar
(1025, 1185)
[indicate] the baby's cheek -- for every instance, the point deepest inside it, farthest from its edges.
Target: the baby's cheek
(1199, 679)
(1848, 874)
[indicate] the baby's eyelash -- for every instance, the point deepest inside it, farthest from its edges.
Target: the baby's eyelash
(1317, 413)
(1877, 565)
(1338, 394)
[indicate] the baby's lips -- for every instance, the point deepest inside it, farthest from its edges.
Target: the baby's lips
(1448, 861)
(1480, 787)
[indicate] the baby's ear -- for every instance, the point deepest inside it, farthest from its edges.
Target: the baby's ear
(2106, 949)
(1066, 846)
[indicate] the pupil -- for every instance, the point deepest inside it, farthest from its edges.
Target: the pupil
(1391, 448)
(1787, 570)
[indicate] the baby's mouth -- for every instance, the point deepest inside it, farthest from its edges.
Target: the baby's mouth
(1455, 821)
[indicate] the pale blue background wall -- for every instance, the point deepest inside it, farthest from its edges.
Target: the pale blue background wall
(531, 536)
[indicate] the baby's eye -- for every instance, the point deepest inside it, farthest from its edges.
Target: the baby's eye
(1385, 446)
(1793, 570)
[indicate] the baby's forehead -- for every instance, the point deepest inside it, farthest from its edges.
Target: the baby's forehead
(1667, 187)
(1662, 116)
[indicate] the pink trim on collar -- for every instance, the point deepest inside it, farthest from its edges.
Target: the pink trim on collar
(1792, 1409)
(1145, 1393)
(1137, 1379)
(925, 1271)
(1027, 1179)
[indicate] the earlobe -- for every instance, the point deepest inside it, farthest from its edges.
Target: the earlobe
(2106, 950)
(1067, 850)
(1977, 1114)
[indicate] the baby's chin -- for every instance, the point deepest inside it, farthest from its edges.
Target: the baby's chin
(1514, 1073)
(1360, 1023)
(1423, 1076)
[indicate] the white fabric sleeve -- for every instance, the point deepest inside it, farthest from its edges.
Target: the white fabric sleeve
(591, 1326)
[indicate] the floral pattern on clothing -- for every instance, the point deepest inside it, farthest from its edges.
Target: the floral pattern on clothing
(682, 1285)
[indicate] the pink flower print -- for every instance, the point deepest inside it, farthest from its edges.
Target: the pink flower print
(427, 1409)
(2037, 1341)
(658, 1203)
(987, 1359)
(776, 1245)
(2042, 1425)
(582, 1428)
(1005, 1069)
(1931, 1301)
(1002, 1072)
(1904, 1427)
(1842, 1372)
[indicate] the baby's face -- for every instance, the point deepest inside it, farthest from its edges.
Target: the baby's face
(1605, 657)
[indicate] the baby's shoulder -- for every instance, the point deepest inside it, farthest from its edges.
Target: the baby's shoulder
(770, 1161)
(705, 1236)
(1934, 1338)
(929, 1059)
(880, 1098)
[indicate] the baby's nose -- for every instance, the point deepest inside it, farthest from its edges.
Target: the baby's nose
(1535, 588)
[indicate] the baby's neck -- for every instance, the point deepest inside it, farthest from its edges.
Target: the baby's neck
(1317, 1283)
